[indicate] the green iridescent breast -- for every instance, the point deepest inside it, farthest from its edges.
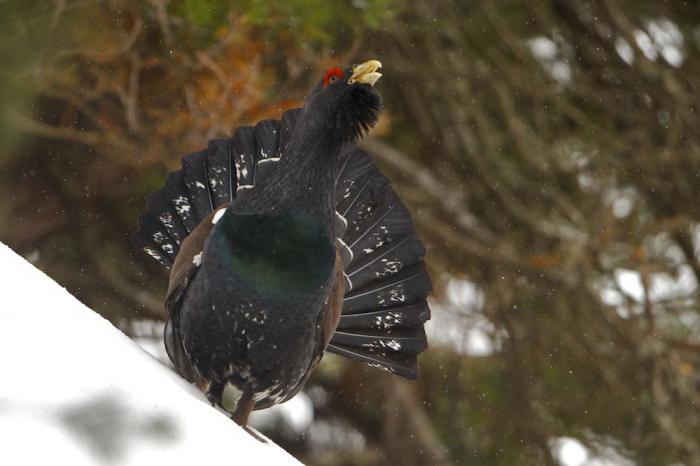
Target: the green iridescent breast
(288, 254)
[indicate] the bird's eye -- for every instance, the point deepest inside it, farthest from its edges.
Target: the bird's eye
(332, 75)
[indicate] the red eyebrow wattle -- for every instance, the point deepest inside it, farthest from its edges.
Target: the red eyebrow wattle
(335, 71)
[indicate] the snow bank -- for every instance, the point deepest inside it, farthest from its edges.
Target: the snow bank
(74, 390)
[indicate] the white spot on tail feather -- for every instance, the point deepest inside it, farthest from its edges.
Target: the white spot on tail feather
(182, 205)
(393, 344)
(153, 253)
(389, 320)
(271, 159)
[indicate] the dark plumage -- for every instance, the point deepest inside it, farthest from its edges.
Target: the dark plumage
(285, 241)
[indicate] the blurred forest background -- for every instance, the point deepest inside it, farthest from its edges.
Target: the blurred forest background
(549, 151)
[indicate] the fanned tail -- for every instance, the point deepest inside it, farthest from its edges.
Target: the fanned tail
(385, 303)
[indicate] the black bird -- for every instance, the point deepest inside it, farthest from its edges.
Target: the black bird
(285, 241)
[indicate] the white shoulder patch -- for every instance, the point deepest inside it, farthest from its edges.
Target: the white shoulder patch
(219, 213)
(197, 259)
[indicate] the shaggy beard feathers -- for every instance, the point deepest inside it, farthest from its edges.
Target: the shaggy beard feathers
(359, 114)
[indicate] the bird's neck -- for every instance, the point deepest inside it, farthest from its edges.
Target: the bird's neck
(305, 177)
(310, 158)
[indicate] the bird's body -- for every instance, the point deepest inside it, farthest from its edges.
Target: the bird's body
(259, 283)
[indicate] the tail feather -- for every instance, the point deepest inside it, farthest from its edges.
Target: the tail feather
(410, 284)
(194, 170)
(371, 198)
(267, 136)
(219, 171)
(159, 205)
(167, 222)
(408, 340)
(176, 190)
(388, 259)
(244, 155)
(353, 179)
(267, 139)
(157, 242)
(390, 223)
(403, 364)
(152, 250)
(401, 316)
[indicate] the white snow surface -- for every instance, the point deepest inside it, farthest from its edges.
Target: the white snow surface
(75, 390)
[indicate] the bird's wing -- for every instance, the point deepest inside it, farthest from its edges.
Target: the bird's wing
(183, 271)
(330, 314)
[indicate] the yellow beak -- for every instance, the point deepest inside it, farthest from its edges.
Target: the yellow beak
(366, 73)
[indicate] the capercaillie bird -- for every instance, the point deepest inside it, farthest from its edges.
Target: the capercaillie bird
(286, 241)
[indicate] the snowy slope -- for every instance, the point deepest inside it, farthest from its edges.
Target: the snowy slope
(74, 390)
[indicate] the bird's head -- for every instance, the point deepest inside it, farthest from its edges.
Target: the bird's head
(345, 102)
